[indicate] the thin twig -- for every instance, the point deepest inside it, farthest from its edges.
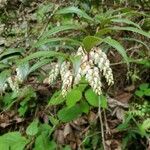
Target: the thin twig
(106, 124)
(101, 123)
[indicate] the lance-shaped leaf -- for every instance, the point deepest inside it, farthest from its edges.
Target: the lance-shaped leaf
(58, 29)
(74, 10)
(43, 54)
(132, 29)
(115, 44)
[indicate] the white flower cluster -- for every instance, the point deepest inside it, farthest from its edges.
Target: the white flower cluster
(92, 64)
(19, 75)
(53, 73)
(100, 59)
(65, 73)
(13, 84)
(67, 78)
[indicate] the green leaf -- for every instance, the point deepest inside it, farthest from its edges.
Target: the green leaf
(13, 141)
(103, 101)
(52, 40)
(53, 120)
(9, 53)
(42, 142)
(90, 41)
(66, 148)
(125, 124)
(139, 93)
(45, 129)
(144, 62)
(3, 144)
(127, 21)
(132, 29)
(82, 86)
(73, 97)
(91, 97)
(146, 124)
(85, 107)
(43, 54)
(102, 32)
(56, 99)
(68, 114)
(147, 92)
(115, 44)
(144, 86)
(58, 29)
(75, 10)
(32, 129)
(3, 66)
(39, 64)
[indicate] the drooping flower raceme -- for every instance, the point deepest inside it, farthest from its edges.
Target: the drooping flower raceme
(92, 64)
(66, 77)
(100, 59)
(12, 81)
(93, 77)
(53, 73)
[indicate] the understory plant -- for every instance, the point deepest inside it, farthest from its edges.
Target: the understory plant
(72, 53)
